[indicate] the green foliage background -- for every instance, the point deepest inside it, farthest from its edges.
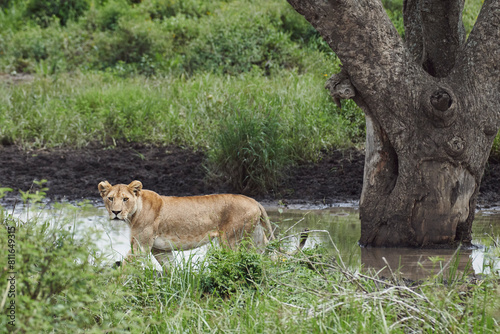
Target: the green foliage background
(195, 73)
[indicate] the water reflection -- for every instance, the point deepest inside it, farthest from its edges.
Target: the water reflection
(416, 263)
(339, 226)
(343, 226)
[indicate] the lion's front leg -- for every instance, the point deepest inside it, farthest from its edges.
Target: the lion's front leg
(141, 243)
(165, 258)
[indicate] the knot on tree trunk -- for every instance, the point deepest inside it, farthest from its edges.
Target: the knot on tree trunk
(455, 146)
(490, 127)
(440, 106)
(340, 87)
(441, 100)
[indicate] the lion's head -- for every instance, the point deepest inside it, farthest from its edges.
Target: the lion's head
(120, 200)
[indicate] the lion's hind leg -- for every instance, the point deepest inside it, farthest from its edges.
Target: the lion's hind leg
(259, 238)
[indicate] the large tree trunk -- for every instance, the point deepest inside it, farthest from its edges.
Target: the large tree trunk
(432, 108)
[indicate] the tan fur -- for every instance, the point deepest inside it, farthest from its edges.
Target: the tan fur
(161, 224)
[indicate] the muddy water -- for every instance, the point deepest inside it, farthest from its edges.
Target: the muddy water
(337, 228)
(343, 227)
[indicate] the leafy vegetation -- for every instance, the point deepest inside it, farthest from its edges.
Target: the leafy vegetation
(227, 271)
(64, 284)
(270, 112)
(156, 37)
(43, 12)
(174, 72)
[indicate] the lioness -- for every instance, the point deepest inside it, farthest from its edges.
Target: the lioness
(161, 224)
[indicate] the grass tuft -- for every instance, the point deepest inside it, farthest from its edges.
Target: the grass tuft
(251, 151)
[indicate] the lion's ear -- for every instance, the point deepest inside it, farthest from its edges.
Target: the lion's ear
(135, 187)
(104, 187)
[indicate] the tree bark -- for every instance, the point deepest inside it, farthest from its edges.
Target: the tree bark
(432, 111)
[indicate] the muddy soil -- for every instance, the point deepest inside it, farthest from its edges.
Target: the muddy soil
(74, 174)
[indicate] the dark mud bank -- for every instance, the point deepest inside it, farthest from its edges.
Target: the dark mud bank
(73, 174)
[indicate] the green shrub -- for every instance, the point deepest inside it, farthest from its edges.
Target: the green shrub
(5, 3)
(393, 5)
(470, 13)
(237, 43)
(356, 120)
(108, 16)
(127, 45)
(495, 150)
(163, 9)
(160, 36)
(297, 26)
(228, 270)
(128, 41)
(42, 11)
(301, 31)
(29, 48)
(58, 289)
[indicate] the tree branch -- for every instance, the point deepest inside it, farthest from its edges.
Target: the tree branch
(434, 33)
(482, 51)
(364, 39)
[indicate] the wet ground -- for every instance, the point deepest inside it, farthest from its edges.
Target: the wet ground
(73, 174)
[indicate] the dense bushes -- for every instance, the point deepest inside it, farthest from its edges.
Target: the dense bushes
(228, 270)
(164, 36)
(251, 151)
(153, 36)
(42, 11)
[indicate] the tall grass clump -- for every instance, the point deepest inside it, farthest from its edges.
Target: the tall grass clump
(251, 152)
(264, 133)
(227, 270)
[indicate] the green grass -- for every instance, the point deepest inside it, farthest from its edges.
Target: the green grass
(78, 109)
(60, 289)
(240, 80)
(293, 118)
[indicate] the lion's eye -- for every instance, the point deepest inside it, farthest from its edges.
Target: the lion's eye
(125, 199)
(110, 199)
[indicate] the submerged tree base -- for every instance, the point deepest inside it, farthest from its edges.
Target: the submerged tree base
(430, 103)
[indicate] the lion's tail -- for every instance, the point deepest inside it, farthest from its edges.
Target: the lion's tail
(265, 220)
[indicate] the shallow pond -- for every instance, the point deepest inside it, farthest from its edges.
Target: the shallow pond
(334, 227)
(340, 227)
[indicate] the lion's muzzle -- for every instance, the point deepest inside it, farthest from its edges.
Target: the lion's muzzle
(116, 215)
